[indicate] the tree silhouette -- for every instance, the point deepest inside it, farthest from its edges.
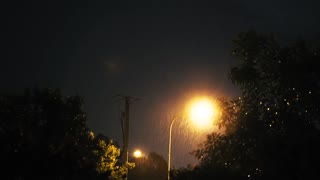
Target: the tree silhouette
(281, 89)
(45, 135)
(273, 128)
(152, 167)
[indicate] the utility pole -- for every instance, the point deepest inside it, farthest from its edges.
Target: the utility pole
(125, 126)
(125, 129)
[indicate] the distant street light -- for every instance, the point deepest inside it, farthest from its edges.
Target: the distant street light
(201, 111)
(137, 154)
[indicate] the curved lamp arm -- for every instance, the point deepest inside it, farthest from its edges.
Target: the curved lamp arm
(169, 148)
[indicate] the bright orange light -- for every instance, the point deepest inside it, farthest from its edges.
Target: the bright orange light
(202, 112)
(137, 154)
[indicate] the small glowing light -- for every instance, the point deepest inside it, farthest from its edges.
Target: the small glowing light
(276, 113)
(309, 92)
(268, 109)
(137, 154)
(260, 102)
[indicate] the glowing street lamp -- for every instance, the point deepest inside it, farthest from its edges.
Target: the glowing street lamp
(137, 153)
(202, 112)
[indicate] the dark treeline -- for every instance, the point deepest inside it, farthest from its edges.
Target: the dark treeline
(44, 135)
(153, 167)
(273, 128)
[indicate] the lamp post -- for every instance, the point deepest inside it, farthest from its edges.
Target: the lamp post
(202, 111)
(169, 148)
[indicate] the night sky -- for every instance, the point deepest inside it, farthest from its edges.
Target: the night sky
(163, 52)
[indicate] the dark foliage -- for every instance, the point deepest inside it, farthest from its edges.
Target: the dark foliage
(45, 136)
(152, 167)
(273, 129)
